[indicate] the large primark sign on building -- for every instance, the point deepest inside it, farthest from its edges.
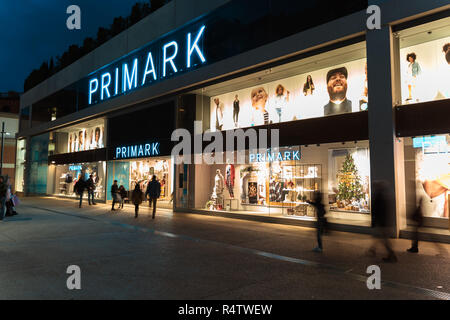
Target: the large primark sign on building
(157, 61)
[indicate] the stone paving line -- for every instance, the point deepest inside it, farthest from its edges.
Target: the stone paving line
(327, 267)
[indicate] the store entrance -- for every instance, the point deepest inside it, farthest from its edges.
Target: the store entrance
(140, 171)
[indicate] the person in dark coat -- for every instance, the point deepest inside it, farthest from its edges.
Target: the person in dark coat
(136, 198)
(3, 190)
(90, 186)
(381, 214)
(321, 220)
(79, 187)
(123, 194)
(115, 194)
(153, 191)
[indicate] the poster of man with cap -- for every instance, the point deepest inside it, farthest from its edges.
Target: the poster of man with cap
(337, 90)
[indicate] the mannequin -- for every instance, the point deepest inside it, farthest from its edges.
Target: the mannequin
(217, 195)
(244, 180)
(230, 179)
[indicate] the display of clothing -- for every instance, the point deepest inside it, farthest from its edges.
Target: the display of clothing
(217, 194)
(219, 116)
(230, 179)
(244, 180)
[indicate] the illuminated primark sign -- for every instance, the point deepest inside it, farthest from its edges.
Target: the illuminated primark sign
(153, 63)
(270, 156)
(137, 151)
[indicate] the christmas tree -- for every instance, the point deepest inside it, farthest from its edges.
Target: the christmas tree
(349, 187)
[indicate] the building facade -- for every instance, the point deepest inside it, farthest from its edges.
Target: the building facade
(9, 119)
(354, 108)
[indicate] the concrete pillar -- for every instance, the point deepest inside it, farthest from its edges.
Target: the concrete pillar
(380, 66)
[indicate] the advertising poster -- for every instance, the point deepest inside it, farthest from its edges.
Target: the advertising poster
(329, 91)
(86, 139)
(425, 71)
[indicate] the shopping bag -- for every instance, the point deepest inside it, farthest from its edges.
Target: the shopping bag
(15, 200)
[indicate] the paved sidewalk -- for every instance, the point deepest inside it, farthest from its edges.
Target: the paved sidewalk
(190, 256)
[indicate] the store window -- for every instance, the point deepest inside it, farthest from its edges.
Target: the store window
(326, 84)
(67, 175)
(282, 186)
(141, 171)
(425, 62)
(20, 165)
(82, 137)
(427, 171)
(37, 168)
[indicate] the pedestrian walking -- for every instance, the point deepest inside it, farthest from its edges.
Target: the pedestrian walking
(3, 190)
(79, 187)
(136, 198)
(123, 194)
(90, 185)
(321, 220)
(153, 191)
(10, 211)
(381, 214)
(115, 195)
(418, 222)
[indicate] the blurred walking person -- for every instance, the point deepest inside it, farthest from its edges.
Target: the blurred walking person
(79, 187)
(381, 214)
(123, 194)
(418, 222)
(321, 220)
(136, 197)
(115, 195)
(154, 191)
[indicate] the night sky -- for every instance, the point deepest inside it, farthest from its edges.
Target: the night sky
(32, 31)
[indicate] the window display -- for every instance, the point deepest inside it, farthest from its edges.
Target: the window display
(68, 175)
(348, 180)
(282, 187)
(425, 62)
(130, 173)
(276, 187)
(432, 174)
(334, 90)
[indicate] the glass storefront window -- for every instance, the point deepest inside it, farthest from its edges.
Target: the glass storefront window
(425, 62)
(67, 175)
(82, 137)
(282, 187)
(427, 171)
(132, 172)
(20, 165)
(326, 84)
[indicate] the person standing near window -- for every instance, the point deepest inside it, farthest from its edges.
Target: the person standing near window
(91, 188)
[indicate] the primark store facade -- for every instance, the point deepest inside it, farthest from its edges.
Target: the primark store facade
(352, 107)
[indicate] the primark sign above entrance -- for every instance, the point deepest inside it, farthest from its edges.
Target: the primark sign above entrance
(176, 53)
